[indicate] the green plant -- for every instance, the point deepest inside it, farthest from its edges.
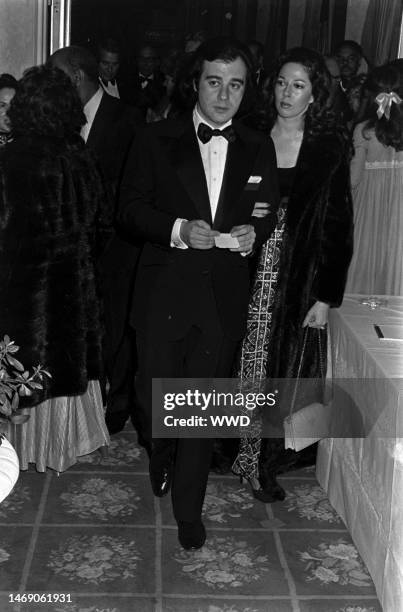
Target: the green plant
(15, 382)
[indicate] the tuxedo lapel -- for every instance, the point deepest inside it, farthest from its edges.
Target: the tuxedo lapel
(187, 161)
(240, 160)
(97, 132)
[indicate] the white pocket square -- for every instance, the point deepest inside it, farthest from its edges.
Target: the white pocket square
(254, 179)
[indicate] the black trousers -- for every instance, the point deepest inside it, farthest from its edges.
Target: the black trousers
(119, 346)
(203, 352)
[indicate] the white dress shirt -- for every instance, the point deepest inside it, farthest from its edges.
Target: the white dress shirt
(214, 156)
(90, 110)
(111, 89)
(145, 79)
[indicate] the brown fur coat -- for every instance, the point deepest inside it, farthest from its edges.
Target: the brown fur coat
(50, 199)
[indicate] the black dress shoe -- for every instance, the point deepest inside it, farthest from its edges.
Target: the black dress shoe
(115, 421)
(191, 536)
(160, 477)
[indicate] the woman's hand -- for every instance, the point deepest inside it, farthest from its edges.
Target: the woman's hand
(317, 316)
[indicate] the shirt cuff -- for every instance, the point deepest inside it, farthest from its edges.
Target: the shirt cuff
(176, 240)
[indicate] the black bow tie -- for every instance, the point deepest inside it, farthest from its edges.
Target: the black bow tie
(205, 133)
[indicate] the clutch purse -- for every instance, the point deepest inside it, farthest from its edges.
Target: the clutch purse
(311, 423)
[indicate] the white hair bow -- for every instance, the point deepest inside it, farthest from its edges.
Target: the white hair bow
(384, 101)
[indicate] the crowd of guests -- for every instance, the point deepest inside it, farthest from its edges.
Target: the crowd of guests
(113, 192)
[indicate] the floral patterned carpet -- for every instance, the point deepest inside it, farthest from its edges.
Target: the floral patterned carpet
(97, 536)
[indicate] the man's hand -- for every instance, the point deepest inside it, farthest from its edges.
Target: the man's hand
(198, 234)
(317, 316)
(261, 209)
(246, 237)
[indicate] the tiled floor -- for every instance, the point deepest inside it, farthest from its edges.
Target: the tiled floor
(97, 534)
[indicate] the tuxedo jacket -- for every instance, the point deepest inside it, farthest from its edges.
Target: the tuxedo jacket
(150, 96)
(165, 180)
(110, 137)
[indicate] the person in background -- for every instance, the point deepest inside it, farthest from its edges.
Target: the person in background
(193, 41)
(164, 108)
(377, 182)
(111, 73)
(108, 66)
(188, 179)
(256, 50)
(302, 269)
(8, 87)
(51, 201)
(337, 101)
(109, 132)
(353, 71)
(148, 82)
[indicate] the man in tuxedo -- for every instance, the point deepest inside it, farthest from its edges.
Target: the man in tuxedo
(256, 49)
(108, 66)
(110, 74)
(109, 131)
(148, 83)
(188, 180)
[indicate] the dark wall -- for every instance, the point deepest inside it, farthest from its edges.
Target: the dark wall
(131, 22)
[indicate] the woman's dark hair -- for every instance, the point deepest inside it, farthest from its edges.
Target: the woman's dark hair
(385, 79)
(318, 118)
(7, 80)
(221, 48)
(46, 104)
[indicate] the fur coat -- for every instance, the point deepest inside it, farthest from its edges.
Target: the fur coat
(50, 198)
(315, 255)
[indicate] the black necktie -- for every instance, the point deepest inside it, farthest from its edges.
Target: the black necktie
(205, 133)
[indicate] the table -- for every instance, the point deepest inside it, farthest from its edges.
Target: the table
(363, 477)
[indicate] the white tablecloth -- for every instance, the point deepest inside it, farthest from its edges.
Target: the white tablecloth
(9, 468)
(364, 476)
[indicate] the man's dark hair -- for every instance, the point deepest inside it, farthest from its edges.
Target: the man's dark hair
(224, 49)
(353, 45)
(108, 44)
(46, 104)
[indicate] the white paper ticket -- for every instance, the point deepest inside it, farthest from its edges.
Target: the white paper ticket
(226, 241)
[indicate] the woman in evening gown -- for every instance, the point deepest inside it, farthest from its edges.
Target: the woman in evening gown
(302, 269)
(377, 184)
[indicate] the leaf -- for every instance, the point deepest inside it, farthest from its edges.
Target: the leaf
(18, 419)
(13, 348)
(15, 363)
(6, 408)
(15, 402)
(35, 385)
(24, 391)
